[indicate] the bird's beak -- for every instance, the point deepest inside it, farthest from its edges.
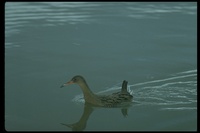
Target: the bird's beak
(68, 83)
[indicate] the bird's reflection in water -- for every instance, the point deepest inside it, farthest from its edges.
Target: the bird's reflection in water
(88, 109)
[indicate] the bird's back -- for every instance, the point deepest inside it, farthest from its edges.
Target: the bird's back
(117, 98)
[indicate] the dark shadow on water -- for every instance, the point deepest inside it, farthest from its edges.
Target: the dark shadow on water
(88, 109)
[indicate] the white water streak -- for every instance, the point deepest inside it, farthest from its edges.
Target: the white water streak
(162, 80)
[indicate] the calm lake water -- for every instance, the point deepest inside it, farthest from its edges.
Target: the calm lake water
(151, 45)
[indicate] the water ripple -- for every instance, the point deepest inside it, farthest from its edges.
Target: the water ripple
(21, 14)
(86, 12)
(181, 89)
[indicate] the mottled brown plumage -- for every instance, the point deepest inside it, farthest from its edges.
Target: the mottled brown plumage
(112, 100)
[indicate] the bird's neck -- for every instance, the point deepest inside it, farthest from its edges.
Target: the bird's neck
(89, 96)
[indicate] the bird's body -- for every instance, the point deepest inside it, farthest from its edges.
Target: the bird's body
(112, 100)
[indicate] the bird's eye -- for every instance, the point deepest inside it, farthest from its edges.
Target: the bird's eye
(74, 79)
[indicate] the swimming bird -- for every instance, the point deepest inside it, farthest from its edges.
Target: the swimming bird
(112, 100)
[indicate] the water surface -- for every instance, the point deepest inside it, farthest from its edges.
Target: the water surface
(152, 45)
